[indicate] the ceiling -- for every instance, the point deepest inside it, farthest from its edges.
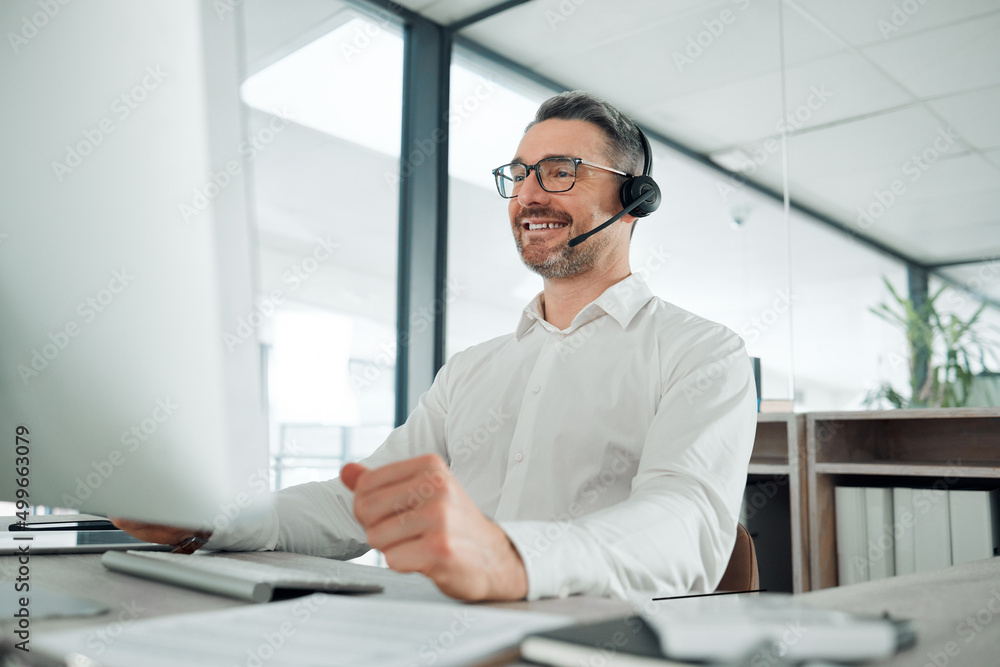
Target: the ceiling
(892, 114)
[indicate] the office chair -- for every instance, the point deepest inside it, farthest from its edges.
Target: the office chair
(741, 573)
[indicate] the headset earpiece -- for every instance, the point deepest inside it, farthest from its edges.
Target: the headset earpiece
(642, 187)
(640, 195)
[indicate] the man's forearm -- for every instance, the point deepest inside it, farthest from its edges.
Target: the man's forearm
(313, 518)
(668, 544)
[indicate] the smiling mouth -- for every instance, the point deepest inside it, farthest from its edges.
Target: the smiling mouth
(533, 226)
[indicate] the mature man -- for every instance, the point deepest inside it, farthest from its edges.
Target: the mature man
(601, 448)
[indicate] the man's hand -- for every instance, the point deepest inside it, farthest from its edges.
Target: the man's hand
(420, 517)
(151, 532)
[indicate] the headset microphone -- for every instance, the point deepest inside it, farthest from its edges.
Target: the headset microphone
(639, 195)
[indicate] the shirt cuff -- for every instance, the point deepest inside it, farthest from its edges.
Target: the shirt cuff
(557, 561)
(252, 529)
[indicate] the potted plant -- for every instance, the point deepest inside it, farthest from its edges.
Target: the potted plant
(943, 351)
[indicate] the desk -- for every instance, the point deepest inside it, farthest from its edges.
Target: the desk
(941, 603)
(956, 609)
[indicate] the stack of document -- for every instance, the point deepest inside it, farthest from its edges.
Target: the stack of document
(749, 629)
(315, 630)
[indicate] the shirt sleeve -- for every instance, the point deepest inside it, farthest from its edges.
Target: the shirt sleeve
(675, 533)
(317, 518)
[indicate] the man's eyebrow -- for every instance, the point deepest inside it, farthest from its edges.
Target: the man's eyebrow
(518, 158)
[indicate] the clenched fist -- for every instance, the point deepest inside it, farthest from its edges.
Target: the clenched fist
(420, 517)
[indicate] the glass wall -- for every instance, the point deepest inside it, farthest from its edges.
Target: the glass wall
(489, 286)
(324, 196)
(881, 141)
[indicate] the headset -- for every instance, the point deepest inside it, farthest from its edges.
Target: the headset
(639, 195)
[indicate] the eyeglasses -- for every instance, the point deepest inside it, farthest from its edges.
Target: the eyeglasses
(555, 174)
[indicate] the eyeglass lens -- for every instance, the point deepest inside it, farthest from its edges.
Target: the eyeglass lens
(556, 175)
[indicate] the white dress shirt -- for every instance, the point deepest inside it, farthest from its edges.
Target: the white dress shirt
(613, 453)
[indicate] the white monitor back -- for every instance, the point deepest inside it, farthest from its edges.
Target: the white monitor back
(115, 299)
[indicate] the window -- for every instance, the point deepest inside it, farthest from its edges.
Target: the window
(324, 99)
(488, 284)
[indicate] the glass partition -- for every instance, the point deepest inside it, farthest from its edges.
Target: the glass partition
(885, 141)
(324, 196)
(488, 285)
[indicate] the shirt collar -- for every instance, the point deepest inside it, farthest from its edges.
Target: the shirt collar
(621, 301)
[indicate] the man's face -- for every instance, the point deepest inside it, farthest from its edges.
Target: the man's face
(592, 200)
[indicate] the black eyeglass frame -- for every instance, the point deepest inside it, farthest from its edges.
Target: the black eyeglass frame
(534, 167)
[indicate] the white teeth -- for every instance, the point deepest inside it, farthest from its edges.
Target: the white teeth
(546, 225)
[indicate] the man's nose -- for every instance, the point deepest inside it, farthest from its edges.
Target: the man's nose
(531, 192)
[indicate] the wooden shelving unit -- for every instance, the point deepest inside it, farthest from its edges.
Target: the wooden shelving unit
(954, 446)
(779, 453)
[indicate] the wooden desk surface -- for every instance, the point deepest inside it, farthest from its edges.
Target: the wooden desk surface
(956, 609)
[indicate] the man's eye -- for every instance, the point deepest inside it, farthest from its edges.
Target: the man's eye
(562, 173)
(518, 178)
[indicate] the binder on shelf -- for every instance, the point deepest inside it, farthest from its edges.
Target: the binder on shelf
(931, 529)
(881, 548)
(852, 535)
(975, 525)
(903, 522)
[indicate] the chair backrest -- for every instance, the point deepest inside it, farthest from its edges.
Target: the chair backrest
(741, 573)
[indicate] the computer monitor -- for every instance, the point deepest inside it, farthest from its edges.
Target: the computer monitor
(130, 380)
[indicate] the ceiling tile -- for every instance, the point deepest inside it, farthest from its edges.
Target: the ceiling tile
(643, 57)
(946, 60)
(887, 140)
(820, 92)
(975, 115)
(923, 212)
(708, 120)
(837, 88)
(863, 22)
(956, 174)
(545, 29)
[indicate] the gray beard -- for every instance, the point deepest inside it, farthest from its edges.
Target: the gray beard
(566, 262)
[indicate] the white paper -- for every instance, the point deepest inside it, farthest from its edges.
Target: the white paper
(315, 630)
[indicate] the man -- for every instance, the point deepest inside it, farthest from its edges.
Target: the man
(601, 448)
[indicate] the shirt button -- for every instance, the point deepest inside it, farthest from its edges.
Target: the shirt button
(561, 336)
(519, 457)
(536, 388)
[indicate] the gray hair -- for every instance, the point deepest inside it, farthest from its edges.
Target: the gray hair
(624, 141)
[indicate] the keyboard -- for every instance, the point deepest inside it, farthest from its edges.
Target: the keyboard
(260, 572)
(233, 577)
